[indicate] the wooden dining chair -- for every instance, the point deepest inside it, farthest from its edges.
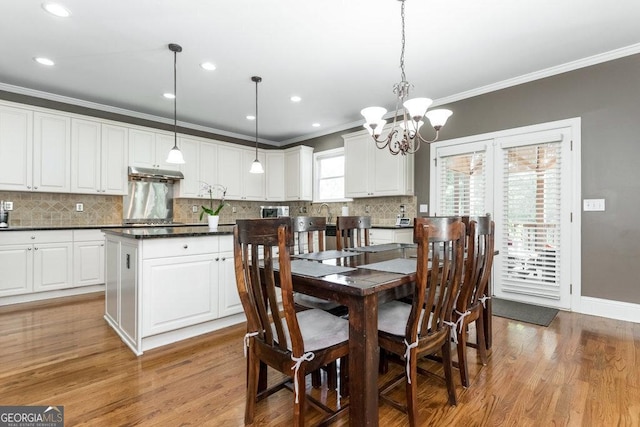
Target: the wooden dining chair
(290, 342)
(411, 331)
(311, 230)
(352, 231)
(473, 296)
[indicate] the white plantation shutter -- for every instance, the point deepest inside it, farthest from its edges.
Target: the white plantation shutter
(531, 205)
(463, 184)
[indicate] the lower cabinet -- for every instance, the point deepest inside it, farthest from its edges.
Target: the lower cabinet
(163, 290)
(379, 236)
(35, 262)
(88, 257)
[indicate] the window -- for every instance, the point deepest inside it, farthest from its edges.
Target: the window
(329, 175)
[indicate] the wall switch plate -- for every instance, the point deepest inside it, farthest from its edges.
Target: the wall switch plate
(194, 208)
(424, 208)
(8, 206)
(234, 209)
(79, 207)
(593, 205)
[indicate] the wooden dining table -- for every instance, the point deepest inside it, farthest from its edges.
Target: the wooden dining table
(361, 290)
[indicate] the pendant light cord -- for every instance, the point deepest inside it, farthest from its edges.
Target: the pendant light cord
(257, 81)
(175, 99)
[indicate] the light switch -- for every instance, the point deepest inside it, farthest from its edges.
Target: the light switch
(79, 207)
(424, 208)
(593, 205)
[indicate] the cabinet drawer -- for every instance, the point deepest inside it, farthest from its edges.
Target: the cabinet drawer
(32, 237)
(158, 248)
(87, 235)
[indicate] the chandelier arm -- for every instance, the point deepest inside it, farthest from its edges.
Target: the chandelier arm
(419, 138)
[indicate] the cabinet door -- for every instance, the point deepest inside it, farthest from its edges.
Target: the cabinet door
(230, 173)
(85, 156)
(88, 263)
(128, 292)
(209, 163)
(16, 265)
(386, 173)
(190, 185)
(275, 175)
(356, 167)
(112, 279)
(52, 266)
(254, 183)
(142, 148)
(114, 161)
(51, 153)
(178, 292)
(229, 298)
(16, 145)
(298, 163)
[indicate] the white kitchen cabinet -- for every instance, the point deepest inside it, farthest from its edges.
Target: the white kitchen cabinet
(150, 149)
(98, 158)
(203, 168)
(51, 153)
(229, 299)
(88, 257)
(35, 261)
(379, 236)
(16, 149)
(275, 175)
(121, 292)
(298, 173)
(233, 172)
(371, 172)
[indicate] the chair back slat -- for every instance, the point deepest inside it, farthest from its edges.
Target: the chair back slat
(308, 227)
(352, 231)
(479, 261)
(439, 273)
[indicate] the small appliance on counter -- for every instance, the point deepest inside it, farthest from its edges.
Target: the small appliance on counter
(273, 211)
(403, 222)
(4, 216)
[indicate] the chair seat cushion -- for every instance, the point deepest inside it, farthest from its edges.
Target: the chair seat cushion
(393, 317)
(319, 329)
(314, 302)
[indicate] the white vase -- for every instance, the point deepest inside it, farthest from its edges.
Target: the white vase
(213, 220)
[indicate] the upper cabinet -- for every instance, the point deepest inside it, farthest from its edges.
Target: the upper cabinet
(298, 162)
(16, 149)
(98, 157)
(371, 172)
(51, 153)
(201, 169)
(234, 163)
(150, 149)
(274, 170)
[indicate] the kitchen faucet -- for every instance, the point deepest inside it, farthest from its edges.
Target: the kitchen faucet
(329, 216)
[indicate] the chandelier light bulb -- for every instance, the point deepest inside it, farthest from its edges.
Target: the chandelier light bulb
(417, 107)
(373, 114)
(438, 117)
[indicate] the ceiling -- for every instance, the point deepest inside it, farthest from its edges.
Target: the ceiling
(339, 56)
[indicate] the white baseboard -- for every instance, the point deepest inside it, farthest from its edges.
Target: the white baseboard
(40, 296)
(610, 309)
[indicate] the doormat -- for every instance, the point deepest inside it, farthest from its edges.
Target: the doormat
(523, 312)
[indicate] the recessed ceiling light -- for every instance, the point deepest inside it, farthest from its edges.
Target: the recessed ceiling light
(44, 61)
(316, 125)
(295, 98)
(168, 95)
(208, 66)
(250, 117)
(56, 9)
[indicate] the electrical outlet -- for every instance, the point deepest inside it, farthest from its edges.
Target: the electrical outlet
(79, 207)
(424, 208)
(233, 209)
(366, 208)
(593, 205)
(194, 208)
(8, 206)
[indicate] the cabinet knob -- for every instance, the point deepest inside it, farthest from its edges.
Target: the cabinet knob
(186, 246)
(224, 259)
(35, 188)
(29, 187)
(217, 259)
(28, 249)
(36, 248)
(33, 237)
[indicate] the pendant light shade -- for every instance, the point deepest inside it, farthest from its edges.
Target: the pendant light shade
(256, 166)
(175, 155)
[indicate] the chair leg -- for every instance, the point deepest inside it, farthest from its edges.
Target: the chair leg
(344, 376)
(316, 378)
(298, 408)
(412, 390)
(488, 323)
(448, 372)
(383, 362)
(462, 357)
(253, 372)
(480, 333)
(332, 375)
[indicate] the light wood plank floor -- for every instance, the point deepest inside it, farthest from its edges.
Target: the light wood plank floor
(579, 371)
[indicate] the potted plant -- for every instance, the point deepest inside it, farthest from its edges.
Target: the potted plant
(213, 214)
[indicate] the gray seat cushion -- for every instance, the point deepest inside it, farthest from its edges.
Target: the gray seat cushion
(314, 302)
(393, 317)
(319, 329)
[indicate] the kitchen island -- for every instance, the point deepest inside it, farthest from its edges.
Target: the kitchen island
(165, 284)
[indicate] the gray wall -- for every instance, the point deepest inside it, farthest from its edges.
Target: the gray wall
(607, 98)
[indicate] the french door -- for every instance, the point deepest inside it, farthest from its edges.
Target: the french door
(525, 178)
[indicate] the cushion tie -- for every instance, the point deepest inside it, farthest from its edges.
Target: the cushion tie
(407, 356)
(246, 340)
(308, 356)
(483, 300)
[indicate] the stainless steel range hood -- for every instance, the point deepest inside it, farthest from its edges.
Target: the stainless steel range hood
(149, 173)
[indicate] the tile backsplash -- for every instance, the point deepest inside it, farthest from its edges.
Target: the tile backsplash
(59, 209)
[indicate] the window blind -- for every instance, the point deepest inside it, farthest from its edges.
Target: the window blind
(462, 184)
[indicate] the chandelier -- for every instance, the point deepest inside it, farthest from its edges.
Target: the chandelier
(404, 136)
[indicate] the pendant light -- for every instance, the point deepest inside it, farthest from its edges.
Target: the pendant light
(175, 155)
(256, 166)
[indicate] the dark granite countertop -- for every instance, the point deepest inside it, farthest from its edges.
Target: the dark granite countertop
(168, 232)
(85, 227)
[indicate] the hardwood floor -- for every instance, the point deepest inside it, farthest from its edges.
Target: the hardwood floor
(581, 370)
